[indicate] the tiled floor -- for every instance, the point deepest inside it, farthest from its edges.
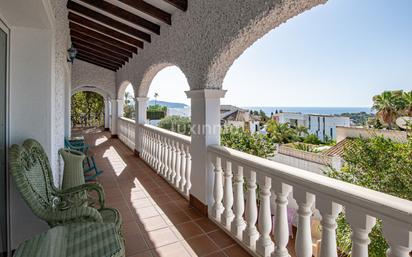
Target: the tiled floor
(157, 221)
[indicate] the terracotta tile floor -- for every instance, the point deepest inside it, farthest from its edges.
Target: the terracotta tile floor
(157, 221)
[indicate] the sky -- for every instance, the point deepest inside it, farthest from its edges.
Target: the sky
(336, 55)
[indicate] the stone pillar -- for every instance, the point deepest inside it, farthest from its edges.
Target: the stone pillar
(205, 104)
(117, 112)
(67, 110)
(106, 114)
(141, 118)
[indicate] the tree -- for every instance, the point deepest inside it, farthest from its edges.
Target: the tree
(379, 164)
(176, 124)
(156, 95)
(387, 106)
(281, 133)
(87, 108)
(407, 103)
(256, 143)
(128, 108)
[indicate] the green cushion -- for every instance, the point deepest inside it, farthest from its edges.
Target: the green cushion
(75, 240)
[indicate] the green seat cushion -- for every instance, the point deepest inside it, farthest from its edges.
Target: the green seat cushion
(75, 240)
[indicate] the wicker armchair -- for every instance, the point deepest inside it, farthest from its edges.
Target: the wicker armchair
(32, 174)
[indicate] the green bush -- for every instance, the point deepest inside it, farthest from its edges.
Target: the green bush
(379, 164)
(176, 124)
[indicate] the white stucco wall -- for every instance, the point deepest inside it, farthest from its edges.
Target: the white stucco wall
(86, 75)
(39, 39)
(204, 41)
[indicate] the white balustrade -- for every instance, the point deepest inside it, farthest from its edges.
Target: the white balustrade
(235, 208)
(126, 131)
(168, 153)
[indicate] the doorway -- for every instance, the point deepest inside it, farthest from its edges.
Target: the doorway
(3, 139)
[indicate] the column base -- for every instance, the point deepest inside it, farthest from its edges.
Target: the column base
(198, 205)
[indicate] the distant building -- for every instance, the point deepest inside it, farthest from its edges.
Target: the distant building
(182, 112)
(240, 118)
(320, 125)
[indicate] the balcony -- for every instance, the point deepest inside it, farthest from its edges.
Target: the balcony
(257, 217)
(157, 218)
(182, 196)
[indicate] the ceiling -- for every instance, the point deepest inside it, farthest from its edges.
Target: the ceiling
(107, 33)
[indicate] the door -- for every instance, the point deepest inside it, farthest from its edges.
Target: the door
(3, 138)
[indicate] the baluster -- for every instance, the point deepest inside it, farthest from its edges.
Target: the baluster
(174, 155)
(250, 234)
(188, 183)
(303, 245)
(150, 147)
(398, 237)
(217, 207)
(158, 153)
(169, 159)
(238, 224)
(227, 215)
(166, 167)
(182, 169)
(361, 225)
(282, 192)
(177, 169)
(153, 149)
(264, 245)
(329, 212)
(144, 153)
(164, 157)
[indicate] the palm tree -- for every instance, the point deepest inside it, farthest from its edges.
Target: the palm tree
(387, 106)
(407, 102)
(156, 95)
(281, 132)
(302, 131)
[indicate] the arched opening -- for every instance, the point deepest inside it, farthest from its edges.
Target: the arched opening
(168, 106)
(316, 73)
(129, 103)
(87, 111)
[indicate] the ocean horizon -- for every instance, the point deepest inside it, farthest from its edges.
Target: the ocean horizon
(312, 110)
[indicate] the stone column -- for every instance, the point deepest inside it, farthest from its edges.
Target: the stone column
(205, 104)
(106, 114)
(141, 118)
(117, 112)
(67, 110)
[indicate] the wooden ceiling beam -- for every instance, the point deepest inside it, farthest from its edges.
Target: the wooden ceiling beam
(99, 49)
(97, 63)
(105, 30)
(100, 56)
(83, 30)
(108, 21)
(124, 14)
(97, 42)
(92, 57)
(180, 4)
(97, 53)
(150, 10)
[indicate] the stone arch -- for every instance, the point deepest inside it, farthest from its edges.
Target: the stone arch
(150, 74)
(122, 89)
(92, 88)
(252, 32)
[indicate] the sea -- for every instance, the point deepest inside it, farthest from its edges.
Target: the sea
(313, 110)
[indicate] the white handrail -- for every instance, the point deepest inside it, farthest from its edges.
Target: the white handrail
(168, 153)
(362, 207)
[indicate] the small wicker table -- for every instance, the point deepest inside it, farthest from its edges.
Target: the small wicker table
(75, 240)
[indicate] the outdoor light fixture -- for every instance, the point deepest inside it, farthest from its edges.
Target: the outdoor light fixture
(72, 52)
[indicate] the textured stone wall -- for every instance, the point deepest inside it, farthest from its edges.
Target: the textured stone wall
(61, 44)
(86, 75)
(204, 41)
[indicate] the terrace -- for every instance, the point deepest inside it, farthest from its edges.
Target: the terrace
(179, 196)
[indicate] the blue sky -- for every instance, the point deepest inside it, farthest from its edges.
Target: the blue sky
(338, 54)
